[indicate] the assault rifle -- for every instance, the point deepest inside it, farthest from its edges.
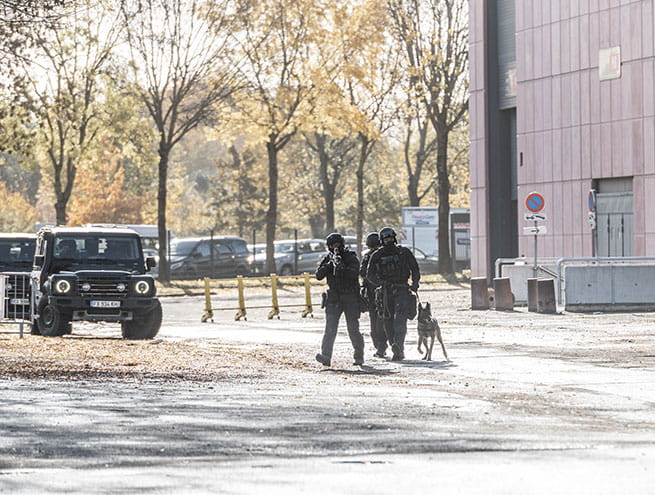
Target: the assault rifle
(336, 260)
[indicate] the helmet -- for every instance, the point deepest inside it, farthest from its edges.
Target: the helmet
(334, 238)
(372, 240)
(387, 232)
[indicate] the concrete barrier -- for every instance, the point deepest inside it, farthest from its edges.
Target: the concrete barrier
(479, 293)
(532, 294)
(546, 302)
(609, 287)
(519, 275)
(504, 299)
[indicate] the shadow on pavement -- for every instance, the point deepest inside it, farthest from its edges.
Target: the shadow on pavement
(416, 363)
(362, 370)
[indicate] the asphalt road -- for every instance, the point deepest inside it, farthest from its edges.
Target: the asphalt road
(527, 404)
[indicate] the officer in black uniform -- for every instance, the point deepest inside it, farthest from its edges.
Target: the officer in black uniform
(378, 335)
(341, 267)
(390, 268)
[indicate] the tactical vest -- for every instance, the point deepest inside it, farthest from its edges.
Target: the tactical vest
(390, 266)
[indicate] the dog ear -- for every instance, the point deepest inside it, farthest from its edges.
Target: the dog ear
(427, 305)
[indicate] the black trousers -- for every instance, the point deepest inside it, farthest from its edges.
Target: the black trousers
(337, 305)
(378, 334)
(399, 305)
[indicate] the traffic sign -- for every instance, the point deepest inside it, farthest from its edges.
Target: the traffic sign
(541, 229)
(535, 217)
(535, 202)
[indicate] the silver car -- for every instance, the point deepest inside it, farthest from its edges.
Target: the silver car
(309, 255)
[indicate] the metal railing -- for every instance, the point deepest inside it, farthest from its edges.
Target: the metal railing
(242, 308)
(15, 300)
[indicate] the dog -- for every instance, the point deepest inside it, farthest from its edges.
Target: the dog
(428, 327)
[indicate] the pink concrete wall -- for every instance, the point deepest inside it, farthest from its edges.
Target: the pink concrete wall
(572, 127)
(478, 161)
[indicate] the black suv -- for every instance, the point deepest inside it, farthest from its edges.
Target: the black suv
(93, 274)
(16, 258)
(220, 257)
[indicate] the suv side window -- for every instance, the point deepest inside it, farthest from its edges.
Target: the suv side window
(239, 246)
(304, 247)
(203, 248)
(222, 249)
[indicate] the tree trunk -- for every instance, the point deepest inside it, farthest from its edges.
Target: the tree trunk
(317, 226)
(363, 154)
(271, 214)
(328, 187)
(60, 210)
(443, 191)
(164, 268)
(412, 191)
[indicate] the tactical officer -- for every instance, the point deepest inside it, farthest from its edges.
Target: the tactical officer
(390, 268)
(341, 268)
(378, 335)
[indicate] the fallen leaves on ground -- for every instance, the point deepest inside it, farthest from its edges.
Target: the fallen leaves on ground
(35, 357)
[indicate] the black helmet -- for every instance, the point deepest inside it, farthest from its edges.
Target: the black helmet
(387, 232)
(372, 240)
(334, 238)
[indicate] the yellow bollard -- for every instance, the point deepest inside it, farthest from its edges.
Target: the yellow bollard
(242, 301)
(308, 298)
(209, 313)
(276, 308)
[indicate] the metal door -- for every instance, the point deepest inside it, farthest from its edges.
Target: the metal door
(614, 224)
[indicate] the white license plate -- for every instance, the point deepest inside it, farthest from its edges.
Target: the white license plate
(105, 304)
(19, 302)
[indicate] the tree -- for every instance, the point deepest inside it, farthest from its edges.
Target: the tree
(278, 40)
(64, 73)
(433, 34)
(370, 76)
(101, 195)
(179, 57)
(336, 155)
(16, 214)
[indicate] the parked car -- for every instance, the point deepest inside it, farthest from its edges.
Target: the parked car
(309, 254)
(426, 263)
(152, 253)
(16, 259)
(197, 257)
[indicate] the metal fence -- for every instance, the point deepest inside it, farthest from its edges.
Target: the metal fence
(242, 308)
(15, 305)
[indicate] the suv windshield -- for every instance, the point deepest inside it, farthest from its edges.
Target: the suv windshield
(16, 254)
(90, 251)
(182, 248)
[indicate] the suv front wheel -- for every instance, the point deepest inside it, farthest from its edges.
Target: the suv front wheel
(52, 322)
(143, 326)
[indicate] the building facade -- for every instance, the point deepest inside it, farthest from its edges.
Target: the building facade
(562, 102)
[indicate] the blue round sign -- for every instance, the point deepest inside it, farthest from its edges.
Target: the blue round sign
(535, 202)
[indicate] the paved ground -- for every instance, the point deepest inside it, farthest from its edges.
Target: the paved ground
(527, 404)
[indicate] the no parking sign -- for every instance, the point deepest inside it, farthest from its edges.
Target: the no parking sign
(535, 202)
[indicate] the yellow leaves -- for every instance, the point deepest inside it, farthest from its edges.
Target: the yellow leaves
(16, 214)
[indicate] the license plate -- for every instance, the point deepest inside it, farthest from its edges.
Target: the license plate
(105, 304)
(19, 302)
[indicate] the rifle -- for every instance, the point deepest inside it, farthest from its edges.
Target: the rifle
(336, 260)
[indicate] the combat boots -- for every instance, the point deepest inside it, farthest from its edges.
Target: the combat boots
(398, 354)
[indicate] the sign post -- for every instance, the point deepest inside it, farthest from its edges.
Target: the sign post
(535, 203)
(592, 222)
